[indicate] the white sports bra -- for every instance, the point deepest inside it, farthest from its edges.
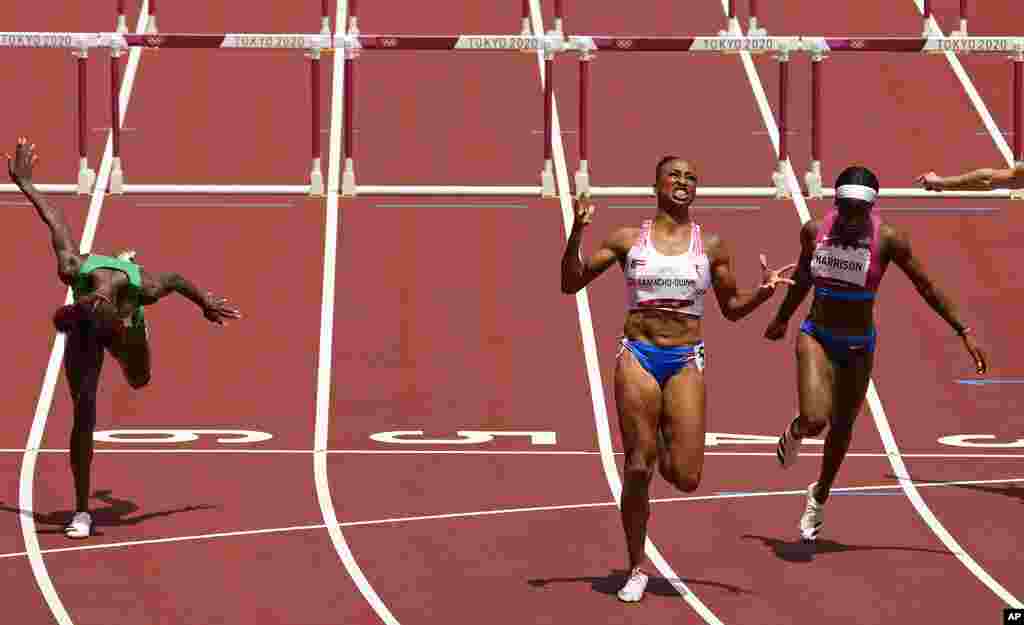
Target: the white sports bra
(676, 283)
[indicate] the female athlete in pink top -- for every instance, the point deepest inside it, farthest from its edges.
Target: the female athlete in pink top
(669, 263)
(844, 256)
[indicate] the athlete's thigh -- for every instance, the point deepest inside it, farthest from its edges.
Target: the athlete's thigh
(815, 378)
(851, 386)
(684, 421)
(131, 349)
(638, 399)
(83, 361)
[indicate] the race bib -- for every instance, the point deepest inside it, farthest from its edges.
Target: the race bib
(845, 264)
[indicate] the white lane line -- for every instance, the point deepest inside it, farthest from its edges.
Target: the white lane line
(323, 384)
(972, 93)
(500, 511)
(35, 437)
(497, 452)
(590, 347)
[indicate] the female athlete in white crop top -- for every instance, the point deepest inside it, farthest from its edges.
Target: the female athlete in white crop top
(669, 263)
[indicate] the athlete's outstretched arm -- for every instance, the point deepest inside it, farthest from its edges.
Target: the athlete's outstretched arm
(984, 179)
(214, 308)
(802, 283)
(901, 253)
(577, 272)
(734, 303)
(64, 246)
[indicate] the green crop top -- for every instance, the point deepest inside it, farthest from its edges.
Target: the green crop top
(83, 285)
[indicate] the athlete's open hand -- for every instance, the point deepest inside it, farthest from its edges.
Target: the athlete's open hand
(20, 165)
(772, 278)
(217, 310)
(931, 181)
(584, 210)
(980, 363)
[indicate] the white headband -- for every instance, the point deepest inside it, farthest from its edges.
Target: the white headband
(857, 192)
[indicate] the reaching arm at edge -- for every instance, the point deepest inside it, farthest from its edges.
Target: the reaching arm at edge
(986, 179)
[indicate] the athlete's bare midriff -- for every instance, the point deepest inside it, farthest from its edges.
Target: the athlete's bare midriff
(663, 328)
(844, 318)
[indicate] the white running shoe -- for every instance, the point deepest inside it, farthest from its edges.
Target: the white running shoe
(788, 448)
(127, 255)
(813, 517)
(80, 526)
(633, 591)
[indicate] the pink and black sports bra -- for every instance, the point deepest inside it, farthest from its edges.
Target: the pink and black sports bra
(843, 270)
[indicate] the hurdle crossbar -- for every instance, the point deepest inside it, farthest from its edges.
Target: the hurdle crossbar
(355, 45)
(551, 44)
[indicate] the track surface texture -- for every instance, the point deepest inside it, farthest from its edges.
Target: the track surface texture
(429, 389)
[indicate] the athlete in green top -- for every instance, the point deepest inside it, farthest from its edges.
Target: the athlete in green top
(109, 293)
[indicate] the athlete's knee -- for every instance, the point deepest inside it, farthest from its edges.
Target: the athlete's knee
(137, 377)
(683, 479)
(841, 426)
(640, 464)
(812, 423)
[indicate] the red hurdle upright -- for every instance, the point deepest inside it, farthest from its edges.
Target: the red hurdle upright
(116, 173)
(316, 176)
(86, 176)
(1018, 107)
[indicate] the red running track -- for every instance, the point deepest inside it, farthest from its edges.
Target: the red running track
(442, 324)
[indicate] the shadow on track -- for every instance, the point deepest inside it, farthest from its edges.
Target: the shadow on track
(1014, 490)
(801, 551)
(114, 514)
(610, 584)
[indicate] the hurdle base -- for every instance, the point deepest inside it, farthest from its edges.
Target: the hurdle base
(779, 181)
(116, 178)
(86, 179)
(581, 180)
(348, 180)
(316, 179)
(813, 181)
(547, 181)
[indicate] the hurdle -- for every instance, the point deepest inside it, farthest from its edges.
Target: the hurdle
(588, 47)
(311, 43)
(355, 45)
(820, 47)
